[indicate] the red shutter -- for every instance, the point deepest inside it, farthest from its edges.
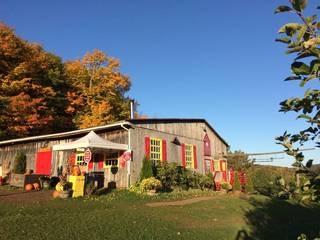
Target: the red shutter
(147, 146)
(195, 161)
(183, 154)
(212, 166)
(90, 164)
(100, 158)
(164, 150)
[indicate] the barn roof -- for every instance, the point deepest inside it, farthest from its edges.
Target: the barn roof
(175, 120)
(116, 125)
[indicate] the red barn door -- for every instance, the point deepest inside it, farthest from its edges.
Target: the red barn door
(43, 162)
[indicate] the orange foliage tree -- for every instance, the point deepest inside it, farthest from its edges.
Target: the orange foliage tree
(32, 89)
(98, 90)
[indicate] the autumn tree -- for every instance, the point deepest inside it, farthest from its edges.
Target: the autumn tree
(302, 39)
(32, 88)
(98, 90)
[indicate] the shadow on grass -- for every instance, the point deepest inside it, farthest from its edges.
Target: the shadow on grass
(277, 219)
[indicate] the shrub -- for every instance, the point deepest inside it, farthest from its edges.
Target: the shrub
(135, 188)
(263, 180)
(168, 174)
(20, 163)
(150, 184)
(206, 182)
(226, 186)
(147, 169)
(249, 185)
(236, 186)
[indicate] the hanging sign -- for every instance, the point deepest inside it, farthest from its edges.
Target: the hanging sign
(87, 156)
(127, 155)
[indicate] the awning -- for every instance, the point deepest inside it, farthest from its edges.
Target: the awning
(91, 140)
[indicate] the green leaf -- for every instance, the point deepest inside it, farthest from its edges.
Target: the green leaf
(311, 19)
(290, 28)
(307, 79)
(283, 9)
(296, 49)
(293, 77)
(301, 32)
(305, 55)
(315, 65)
(305, 116)
(300, 68)
(299, 5)
(309, 163)
(284, 40)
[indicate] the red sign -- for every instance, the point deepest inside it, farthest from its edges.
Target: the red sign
(127, 155)
(87, 156)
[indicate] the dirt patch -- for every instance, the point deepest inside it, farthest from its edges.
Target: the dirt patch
(180, 202)
(25, 197)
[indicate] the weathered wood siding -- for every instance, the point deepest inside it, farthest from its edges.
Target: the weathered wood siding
(9, 152)
(188, 133)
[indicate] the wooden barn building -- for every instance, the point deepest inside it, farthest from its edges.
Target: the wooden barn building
(192, 143)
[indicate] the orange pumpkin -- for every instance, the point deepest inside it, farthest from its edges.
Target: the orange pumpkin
(28, 187)
(55, 194)
(76, 171)
(36, 186)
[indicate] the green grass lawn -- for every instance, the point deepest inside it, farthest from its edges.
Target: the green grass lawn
(123, 215)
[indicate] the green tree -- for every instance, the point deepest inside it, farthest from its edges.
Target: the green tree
(302, 39)
(238, 160)
(236, 186)
(20, 163)
(146, 169)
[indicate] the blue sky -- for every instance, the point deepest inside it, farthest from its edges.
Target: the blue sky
(191, 59)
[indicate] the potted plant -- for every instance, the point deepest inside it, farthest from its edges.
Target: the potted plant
(45, 182)
(67, 190)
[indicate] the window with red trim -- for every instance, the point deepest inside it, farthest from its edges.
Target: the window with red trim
(189, 156)
(156, 149)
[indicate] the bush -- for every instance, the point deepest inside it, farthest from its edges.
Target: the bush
(236, 186)
(20, 163)
(147, 169)
(226, 186)
(249, 185)
(206, 182)
(263, 181)
(150, 184)
(168, 174)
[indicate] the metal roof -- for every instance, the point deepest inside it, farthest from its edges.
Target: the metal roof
(110, 126)
(64, 134)
(176, 120)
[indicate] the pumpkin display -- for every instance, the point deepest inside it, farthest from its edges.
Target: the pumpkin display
(55, 194)
(76, 171)
(36, 186)
(28, 187)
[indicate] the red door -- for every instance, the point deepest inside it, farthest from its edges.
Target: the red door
(43, 162)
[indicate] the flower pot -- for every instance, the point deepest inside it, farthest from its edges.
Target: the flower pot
(65, 194)
(45, 185)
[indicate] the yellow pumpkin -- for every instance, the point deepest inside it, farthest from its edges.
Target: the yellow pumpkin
(28, 187)
(55, 194)
(59, 187)
(36, 186)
